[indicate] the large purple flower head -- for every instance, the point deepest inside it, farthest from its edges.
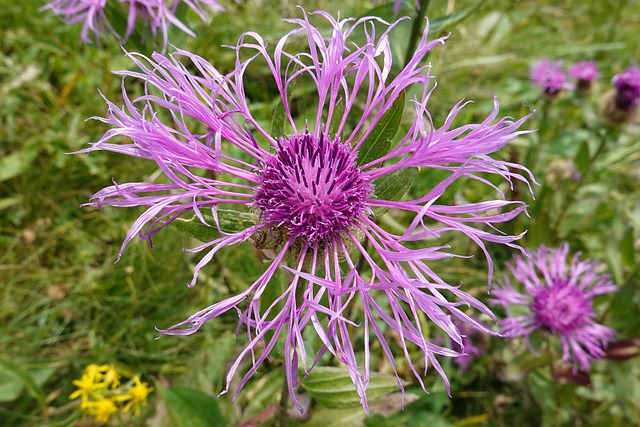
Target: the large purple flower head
(155, 15)
(313, 188)
(559, 300)
(549, 77)
(627, 85)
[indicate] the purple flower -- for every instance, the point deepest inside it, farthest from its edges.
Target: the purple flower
(157, 15)
(584, 70)
(548, 75)
(313, 193)
(89, 12)
(559, 298)
(627, 87)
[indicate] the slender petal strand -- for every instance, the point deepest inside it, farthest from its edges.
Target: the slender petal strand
(559, 296)
(311, 202)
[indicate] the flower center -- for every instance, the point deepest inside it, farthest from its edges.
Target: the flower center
(561, 308)
(312, 187)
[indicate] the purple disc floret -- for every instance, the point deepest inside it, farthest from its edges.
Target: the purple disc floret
(558, 297)
(312, 198)
(312, 187)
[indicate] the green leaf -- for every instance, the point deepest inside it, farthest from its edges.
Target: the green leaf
(16, 163)
(582, 158)
(393, 186)
(191, 408)
(13, 379)
(7, 202)
(10, 387)
(278, 120)
(331, 417)
(378, 143)
(230, 221)
(613, 260)
(386, 10)
(627, 250)
(332, 387)
(438, 25)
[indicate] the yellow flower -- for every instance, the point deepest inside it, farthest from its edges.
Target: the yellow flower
(92, 369)
(86, 387)
(110, 376)
(138, 395)
(101, 409)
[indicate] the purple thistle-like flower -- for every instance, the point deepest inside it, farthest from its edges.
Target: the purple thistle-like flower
(157, 15)
(549, 77)
(313, 202)
(559, 297)
(584, 70)
(627, 85)
(90, 12)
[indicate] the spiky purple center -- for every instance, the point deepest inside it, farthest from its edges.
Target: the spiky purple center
(312, 187)
(561, 308)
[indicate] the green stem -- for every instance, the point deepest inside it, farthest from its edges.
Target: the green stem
(416, 30)
(571, 197)
(283, 416)
(554, 389)
(533, 154)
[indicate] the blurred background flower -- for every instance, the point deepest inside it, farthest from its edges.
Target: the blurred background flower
(558, 296)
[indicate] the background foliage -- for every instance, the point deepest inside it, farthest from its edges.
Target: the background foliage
(64, 304)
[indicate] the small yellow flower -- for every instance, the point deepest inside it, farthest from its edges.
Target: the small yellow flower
(101, 409)
(138, 395)
(110, 376)
(86, 387)
(92, 370)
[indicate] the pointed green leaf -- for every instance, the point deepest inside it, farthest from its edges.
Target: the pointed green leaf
(438, 25)
(278, 120)
(14, 164)
(332, 387)
(378, 143)
(191, 408)
(10, 387)
(331, 417)
(627, 249)
(582, 157)
(194, 228)
(614, 261)
(230, 221)
(13, 379)
(393, 186)
(386, 10)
